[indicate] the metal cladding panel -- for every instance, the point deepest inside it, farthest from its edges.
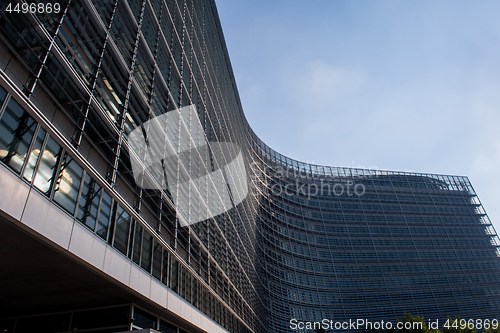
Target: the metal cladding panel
(13, 193)
(86, 246)
(47, 219)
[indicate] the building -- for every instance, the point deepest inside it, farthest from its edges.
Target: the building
(341, 243)
(136, 196)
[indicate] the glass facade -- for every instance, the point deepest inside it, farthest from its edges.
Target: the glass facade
(136, 132)
(342, 244)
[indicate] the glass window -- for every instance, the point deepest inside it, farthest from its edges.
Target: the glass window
(182, 282)
(165, 268)
(89, 202)
(35, 153)
(167, 328)
(104, 215)
(144, 320)
(137, 243)
(121, 230)
(173, 275)
(94, 319)
(194, 292)
(68, 184)
(16, 131)
(3, 94)
(48, 165)
(205, 300)
(7, 325)
(157, 259)
(147, 241)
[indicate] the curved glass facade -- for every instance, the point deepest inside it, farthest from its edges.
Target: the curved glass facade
(342, 243)
(132, 125)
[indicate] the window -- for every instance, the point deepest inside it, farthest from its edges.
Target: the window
(105, 214)
(157, 259)
(47, 167)
(68, 184)
(174, 283)
(89, 202)
(16, 131)
(120, 241)
(167, 328)
(144, 320)
(165, 267)
(147, 241)
(35, 153)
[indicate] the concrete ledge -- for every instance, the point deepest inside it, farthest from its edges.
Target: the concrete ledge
(47, 219)
(14, 193)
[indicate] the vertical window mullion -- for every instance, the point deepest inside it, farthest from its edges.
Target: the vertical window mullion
(30, 148)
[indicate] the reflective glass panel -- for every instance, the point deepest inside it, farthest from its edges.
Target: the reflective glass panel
(68, 184)
(104, 214)
(89, 202)
(167, 328)
(147, 241)
(48, 166)
(35, 153)
(144, 320)
(121, 230)
(157, 259)
(137, 243)
(3, 94)
(16, 131)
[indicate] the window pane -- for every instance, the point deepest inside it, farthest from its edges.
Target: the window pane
(147, 241)
(35, 153)
(48, 165)
(167, 328)
(137, 243)
(187, 282)
(3, 94)
(194, 292)
(95, 319)
(144, 320)
(89, 202)
(121, 230)
(166, 267)
(174, 283)
(68, 184)
(50, 323)
(104, 214)
(157, 259)
(16, 131)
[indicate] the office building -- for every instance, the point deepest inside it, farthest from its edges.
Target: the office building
(135, 195)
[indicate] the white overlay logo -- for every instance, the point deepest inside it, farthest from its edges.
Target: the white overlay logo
(204, 178)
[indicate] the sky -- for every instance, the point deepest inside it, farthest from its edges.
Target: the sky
(391, 85)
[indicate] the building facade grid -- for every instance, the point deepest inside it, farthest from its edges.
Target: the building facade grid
(308, 242)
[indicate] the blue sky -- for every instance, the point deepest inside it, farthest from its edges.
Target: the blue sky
(393, 85)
